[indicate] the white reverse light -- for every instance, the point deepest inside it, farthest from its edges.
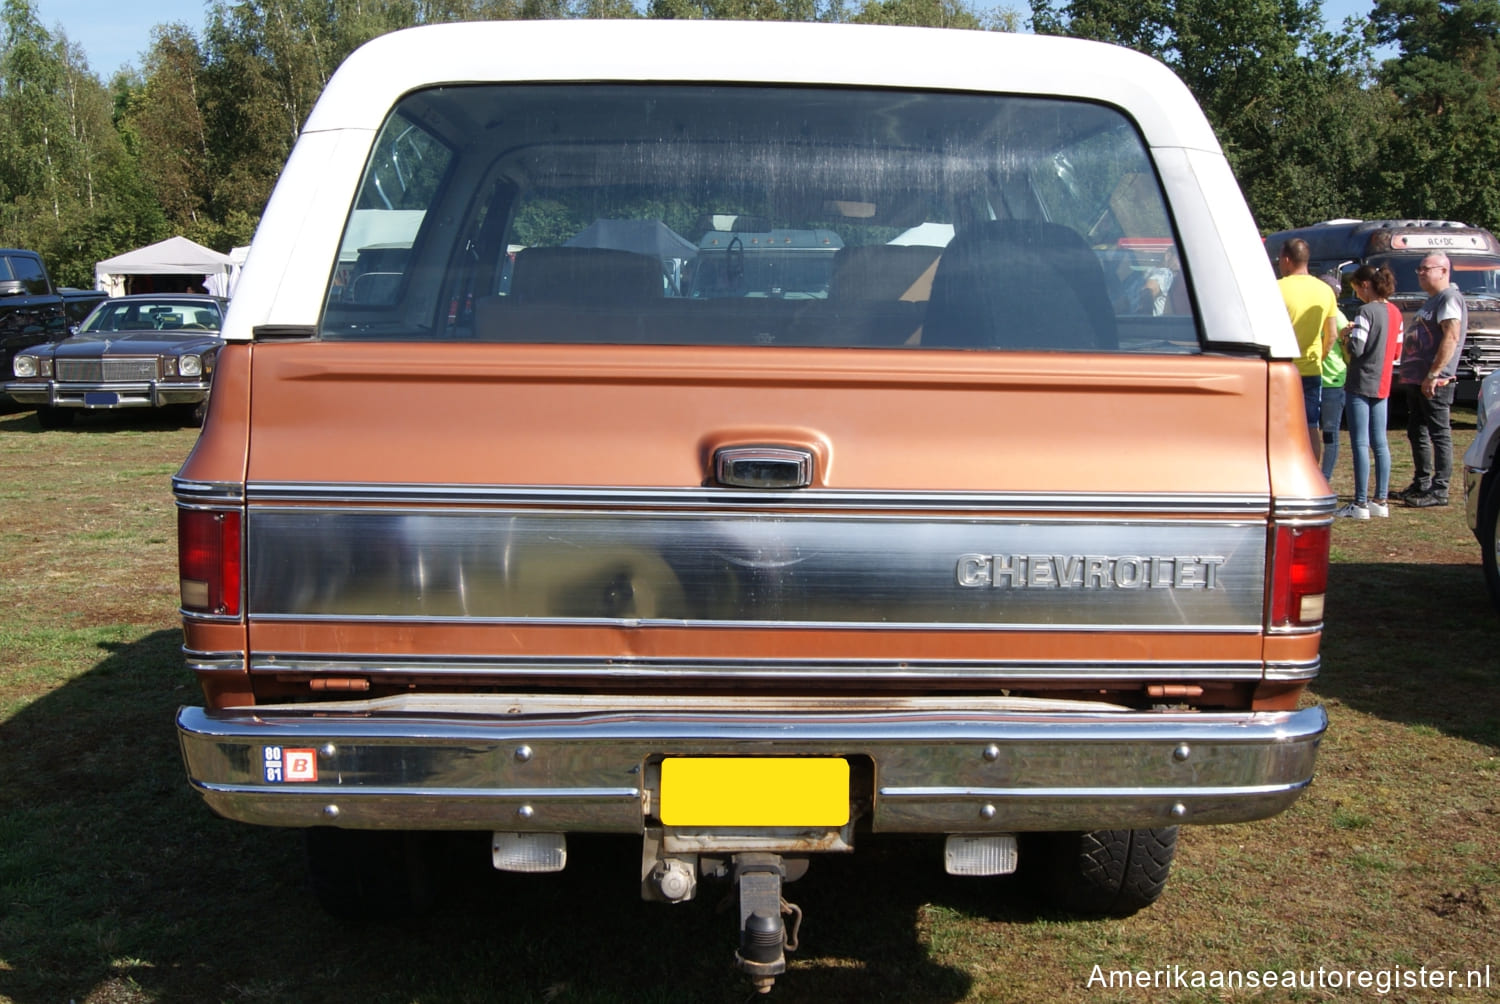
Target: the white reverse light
(991, 854)
(529, 852)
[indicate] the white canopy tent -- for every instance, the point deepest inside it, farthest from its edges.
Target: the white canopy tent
(175, 256)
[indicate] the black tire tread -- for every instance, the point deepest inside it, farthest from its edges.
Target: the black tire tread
(1106, 873)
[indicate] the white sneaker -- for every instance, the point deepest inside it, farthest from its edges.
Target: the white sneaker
(1351, 511)
(1378, 508)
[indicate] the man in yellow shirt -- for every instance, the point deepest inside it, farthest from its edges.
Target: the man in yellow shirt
(1312, 307)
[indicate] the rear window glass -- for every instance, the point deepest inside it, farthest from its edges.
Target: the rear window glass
(733, 215)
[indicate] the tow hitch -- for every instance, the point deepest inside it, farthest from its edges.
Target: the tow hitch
(764, 937)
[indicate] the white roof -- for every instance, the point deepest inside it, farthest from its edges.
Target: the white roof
(382, 70)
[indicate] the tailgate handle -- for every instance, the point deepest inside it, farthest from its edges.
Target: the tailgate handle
(763, 466)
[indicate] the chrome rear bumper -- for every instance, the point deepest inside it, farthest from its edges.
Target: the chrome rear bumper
(928, 770)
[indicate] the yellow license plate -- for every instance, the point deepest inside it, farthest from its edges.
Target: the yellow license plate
(754, 791)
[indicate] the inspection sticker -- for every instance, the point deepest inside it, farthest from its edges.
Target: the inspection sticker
(290, 765)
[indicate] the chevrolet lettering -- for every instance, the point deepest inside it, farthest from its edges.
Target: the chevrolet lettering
(896, 434)
(1089, 571)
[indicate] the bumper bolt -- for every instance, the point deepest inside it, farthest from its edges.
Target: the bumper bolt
(1182, 752)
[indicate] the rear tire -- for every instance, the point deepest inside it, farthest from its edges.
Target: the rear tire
(49, 417)
(1102, 873)
(371, 874)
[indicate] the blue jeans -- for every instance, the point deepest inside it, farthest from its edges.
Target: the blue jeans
(1366, 433)
(1312, 397)
(1332, 417)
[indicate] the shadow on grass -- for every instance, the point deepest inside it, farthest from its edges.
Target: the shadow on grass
(120, 885)
(22, 418)
(1417, 644)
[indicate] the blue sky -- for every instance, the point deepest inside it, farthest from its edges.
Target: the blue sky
(112, 32)
(115, 33)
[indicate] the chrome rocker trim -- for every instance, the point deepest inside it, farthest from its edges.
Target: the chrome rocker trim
(465, 764)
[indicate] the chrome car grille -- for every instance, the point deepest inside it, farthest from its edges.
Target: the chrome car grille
(101, 370)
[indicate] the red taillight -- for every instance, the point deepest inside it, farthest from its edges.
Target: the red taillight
(208, 560)
(1299, 577)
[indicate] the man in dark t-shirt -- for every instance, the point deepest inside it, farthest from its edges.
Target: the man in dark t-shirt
(1429, 367)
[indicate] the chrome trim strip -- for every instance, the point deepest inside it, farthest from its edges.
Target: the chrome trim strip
(719, 669)
(213, 662)
(1123, 627)
(727, 568)
(200, 616)
(938, 772)
(1287, 509)
(1287, 671)
(482, 794)
(1175, 794)
(208, 491)
(1240, 504)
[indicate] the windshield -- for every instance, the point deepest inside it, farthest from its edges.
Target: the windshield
(1476, 275)
(714, 215)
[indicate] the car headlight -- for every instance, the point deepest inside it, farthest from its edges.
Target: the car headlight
(190, 366)
(24, 366)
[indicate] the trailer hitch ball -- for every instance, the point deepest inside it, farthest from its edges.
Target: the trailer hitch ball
(760, 954)
(762, 940)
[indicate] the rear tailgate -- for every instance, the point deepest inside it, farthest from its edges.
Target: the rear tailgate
(503, 516)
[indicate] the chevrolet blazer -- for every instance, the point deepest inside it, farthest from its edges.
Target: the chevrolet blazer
(536, 538)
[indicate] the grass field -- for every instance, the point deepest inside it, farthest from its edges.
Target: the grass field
(118, 885)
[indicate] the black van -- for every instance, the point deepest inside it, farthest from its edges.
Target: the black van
(1343, 245)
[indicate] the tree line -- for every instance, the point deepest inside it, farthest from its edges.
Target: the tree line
(192, 141)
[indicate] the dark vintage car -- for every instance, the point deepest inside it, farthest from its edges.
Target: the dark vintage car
(144, 351)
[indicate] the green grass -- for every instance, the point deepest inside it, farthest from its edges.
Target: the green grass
(118, 885)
